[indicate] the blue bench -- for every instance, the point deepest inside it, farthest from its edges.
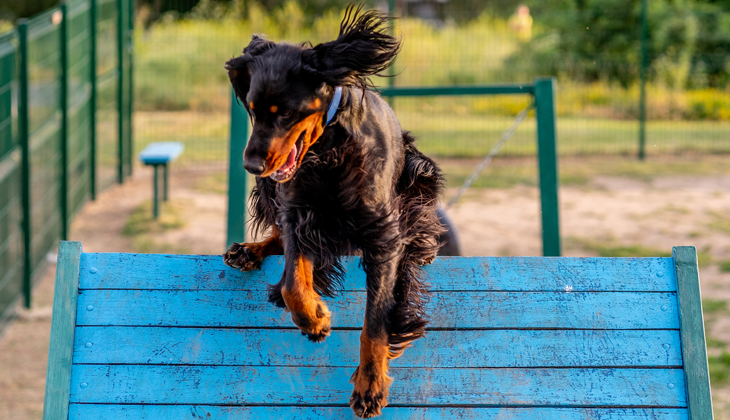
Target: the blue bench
(139, 336)
(160, 154)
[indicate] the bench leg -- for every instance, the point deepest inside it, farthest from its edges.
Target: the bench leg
(156, 198)
(164, 182)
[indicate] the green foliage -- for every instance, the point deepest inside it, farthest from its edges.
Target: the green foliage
(16, 9)
(592, 40)
(179, 65)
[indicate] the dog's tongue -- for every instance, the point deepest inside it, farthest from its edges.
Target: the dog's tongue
(282, 172)
(290, 160)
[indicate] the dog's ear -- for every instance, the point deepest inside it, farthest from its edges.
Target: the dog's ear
(362, 49)
(238, 68)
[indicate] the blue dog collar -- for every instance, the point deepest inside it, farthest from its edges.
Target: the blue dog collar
(334, 105)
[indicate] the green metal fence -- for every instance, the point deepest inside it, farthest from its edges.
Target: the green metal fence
(543, 94)
(65, 128)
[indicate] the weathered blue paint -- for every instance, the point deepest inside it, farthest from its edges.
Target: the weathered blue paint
(60, 351)
(476, 310)
(517, 338)
(456, 349)
(195, 272)
(692, 328)
(327, 386)
(183, 412)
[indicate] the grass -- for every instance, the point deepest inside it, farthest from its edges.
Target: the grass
(148, 245)
(719, 369)
(725, 266)
(626, 251)
(715, 343)
(609, 248)
(720, 222)
(144, 229)
(141, 222)
(216, 183)
(507, 172)
(711, 306)
(205, 136)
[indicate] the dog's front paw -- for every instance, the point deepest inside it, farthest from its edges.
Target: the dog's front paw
(240, 256)
(316, 328)
(370, 395)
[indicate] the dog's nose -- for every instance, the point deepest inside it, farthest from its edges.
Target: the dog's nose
(255, 165)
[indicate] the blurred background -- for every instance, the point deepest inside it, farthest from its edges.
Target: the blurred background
(643, 133)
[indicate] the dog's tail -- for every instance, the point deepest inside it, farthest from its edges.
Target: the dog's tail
(419, 187)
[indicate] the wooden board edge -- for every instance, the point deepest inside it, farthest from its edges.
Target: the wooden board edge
(692, 333)
(63, 324)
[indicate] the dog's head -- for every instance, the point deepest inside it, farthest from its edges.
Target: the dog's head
(287, 88)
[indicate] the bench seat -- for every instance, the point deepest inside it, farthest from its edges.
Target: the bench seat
(139, 336)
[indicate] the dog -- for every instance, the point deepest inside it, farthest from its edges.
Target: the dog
(336, 175)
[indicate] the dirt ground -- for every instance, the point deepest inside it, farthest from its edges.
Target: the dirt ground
(607, 212)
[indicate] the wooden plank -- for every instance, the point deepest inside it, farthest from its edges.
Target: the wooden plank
(455, 349)
(60, 352)
(189, 412)
(330, 386)
(195, 272)
(693, 333)
(477, 310)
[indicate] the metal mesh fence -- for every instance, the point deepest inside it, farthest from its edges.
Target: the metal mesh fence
(65, 104)
(78, 80)
(11, 235)
(107, 87)
(593, 47)
(44, 132)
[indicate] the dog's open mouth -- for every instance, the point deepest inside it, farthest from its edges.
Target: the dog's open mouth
(287, 170)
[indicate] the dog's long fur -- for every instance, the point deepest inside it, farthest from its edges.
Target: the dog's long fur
(361, 187)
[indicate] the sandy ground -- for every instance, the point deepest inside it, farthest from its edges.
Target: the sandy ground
(619, 211)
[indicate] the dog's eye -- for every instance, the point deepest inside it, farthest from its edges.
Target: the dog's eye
(285, 114)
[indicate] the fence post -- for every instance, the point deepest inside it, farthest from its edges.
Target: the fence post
(391, 69)
(64, 121)
(130, 84)
(23, 131)
(120, 88)
(237, 189)
(642, 72)
(92, 99)
(547, 165)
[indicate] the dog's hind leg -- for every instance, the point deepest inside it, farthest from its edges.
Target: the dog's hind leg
(248, 256)
(308, 310)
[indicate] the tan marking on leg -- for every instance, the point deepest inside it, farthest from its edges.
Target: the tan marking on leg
(269, 246)
(371, 380)
(308, 310)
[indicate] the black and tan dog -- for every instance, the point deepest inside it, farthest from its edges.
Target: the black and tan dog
(336, 175)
